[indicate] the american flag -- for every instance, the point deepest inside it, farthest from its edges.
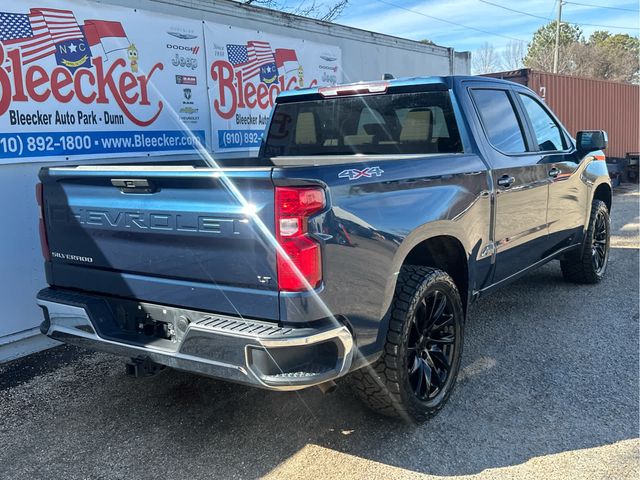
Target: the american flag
(37, 33)
(250, 57)
(62, 24)
(27, 32)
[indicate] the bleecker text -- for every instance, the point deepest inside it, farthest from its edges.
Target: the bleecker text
(234, 92)
(35, 84)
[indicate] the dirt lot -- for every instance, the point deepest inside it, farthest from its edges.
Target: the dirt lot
(549, 389)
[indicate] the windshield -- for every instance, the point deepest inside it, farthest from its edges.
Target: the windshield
(402, 123)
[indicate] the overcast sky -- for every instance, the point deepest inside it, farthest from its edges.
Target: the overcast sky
(407, 18)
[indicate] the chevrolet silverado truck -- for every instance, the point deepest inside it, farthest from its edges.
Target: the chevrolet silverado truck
(352, 245)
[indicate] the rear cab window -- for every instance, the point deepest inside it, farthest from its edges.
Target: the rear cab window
(390, 123)
(500, 121)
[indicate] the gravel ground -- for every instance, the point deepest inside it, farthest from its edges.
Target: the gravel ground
(549, 389)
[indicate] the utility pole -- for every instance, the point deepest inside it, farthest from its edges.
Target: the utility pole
(556, 52)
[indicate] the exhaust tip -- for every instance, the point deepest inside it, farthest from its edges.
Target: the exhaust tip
(328, 387)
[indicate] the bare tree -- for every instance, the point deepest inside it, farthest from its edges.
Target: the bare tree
(513, 55)
(325, 11)
(540, 52)
(610, 56)
(334, 11)
(485, 59)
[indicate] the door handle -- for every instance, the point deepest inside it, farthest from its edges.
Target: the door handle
(133, 185)
(506, 181)
(554, 172)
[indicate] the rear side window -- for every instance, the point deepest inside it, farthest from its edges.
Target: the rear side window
(401, 123)
(500, 121)
(547, 131)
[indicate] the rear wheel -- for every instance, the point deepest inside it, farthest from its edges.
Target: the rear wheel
(416, 373)
(589, 264)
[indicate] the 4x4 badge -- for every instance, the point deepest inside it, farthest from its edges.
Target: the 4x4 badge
(354, 173)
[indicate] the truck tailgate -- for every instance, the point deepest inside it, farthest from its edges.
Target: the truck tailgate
(173, 235)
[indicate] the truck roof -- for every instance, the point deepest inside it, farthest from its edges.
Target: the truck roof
(444, 81)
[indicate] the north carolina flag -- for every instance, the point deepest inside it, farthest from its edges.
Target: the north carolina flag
(284, 55)
(106, 34)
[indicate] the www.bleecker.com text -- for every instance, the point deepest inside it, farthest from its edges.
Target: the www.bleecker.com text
(16, 117)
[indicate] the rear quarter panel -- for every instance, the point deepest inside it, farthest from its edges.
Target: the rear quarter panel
(372, 223)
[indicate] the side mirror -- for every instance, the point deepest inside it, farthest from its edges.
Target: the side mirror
(590, 140)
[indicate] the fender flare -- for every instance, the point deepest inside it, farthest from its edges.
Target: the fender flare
(427, 231)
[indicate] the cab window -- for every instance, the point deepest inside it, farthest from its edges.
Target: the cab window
(548, 133)
(500, 121)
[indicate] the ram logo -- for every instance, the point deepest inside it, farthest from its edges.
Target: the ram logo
(354, 173)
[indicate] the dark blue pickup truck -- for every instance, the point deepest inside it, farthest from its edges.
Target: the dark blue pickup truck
(375, 214)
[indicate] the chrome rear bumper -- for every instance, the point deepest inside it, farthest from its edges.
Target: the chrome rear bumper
(246, 351)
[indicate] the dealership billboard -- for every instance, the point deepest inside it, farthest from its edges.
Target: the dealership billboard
(88, 80)
(247, 70)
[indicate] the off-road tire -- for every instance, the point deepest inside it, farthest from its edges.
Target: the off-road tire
(384, 386)
(578, 266)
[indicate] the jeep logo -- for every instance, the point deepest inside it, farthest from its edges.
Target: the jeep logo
(180, 61)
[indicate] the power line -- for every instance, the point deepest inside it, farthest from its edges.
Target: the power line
(545, 18)
(603, 6)
(553, 9)
(514, 10)
(450, 22)
(600, 25)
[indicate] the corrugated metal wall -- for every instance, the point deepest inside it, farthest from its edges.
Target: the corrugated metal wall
(589, 104)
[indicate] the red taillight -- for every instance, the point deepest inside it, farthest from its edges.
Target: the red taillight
(302, 263)
(44, 243)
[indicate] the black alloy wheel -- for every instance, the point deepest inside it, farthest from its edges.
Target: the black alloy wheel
(431, 346)
(600, 243)
(414, 377)
(588, 264)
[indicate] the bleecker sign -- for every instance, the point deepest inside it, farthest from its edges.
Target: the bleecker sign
(88, 80)
(246, 72)
(35, 84)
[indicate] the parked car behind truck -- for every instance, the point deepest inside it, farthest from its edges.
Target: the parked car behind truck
(353, 245)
